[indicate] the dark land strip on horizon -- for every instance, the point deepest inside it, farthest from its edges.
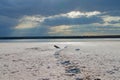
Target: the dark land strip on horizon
(60, 37)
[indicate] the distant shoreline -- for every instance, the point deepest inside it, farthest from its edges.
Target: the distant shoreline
(61, 37)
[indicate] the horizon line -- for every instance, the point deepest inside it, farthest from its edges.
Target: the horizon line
(60, 37)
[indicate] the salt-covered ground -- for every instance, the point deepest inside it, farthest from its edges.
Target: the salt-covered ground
(60, 61)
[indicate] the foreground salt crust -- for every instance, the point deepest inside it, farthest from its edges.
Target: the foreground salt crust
(71, 61)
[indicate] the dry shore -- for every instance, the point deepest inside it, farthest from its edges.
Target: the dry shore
(60, 61)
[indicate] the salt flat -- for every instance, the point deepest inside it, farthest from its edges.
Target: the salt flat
(99, 60)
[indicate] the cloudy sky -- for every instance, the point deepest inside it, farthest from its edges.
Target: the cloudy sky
(59, 17)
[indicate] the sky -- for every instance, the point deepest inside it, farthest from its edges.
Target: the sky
(59, 17)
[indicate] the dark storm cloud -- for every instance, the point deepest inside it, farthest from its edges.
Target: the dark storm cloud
(11, 11)
(6, 25)
(72, 21)
(17, 8)
(114, 22)
(101, 5)
(112, 13)
(7, 21)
